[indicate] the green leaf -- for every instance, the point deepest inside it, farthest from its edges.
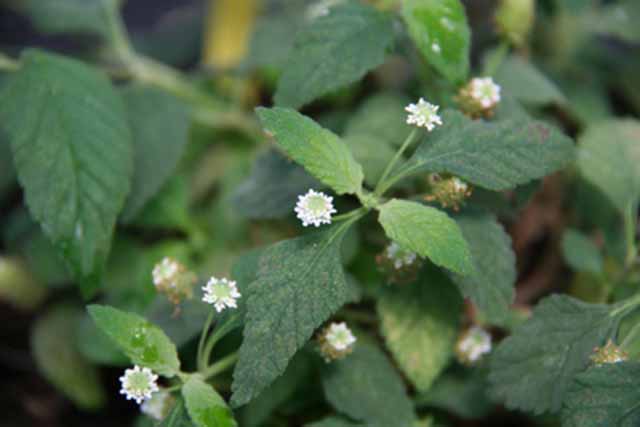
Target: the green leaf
(334, 51)
(580, 252)
(69, 16)
(273, 187)
(67, 126)
(605, 395)
(608, 157)
(418, 320)
(160, 126)
(320, 151)
(365, 386)
(491, 285)
(144, 343)
(7, 173)
(205, 406)
(300, 284)
(522, 80)
(178, 416)
(440, 31)
(57, 357)
(532, 369)
(333, 422)
(496, 156)
(427, 231)
(620, 20)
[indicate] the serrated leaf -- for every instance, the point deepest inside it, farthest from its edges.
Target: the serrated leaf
(605, 395)
(365, 386)
(335, 50)
(427, 231)
(56, 355)
(532, 369)
(420, 325)
(300, 284)
(491, 285)
(496, 156)
(318, 150)
(144, 343)
(522, 80)
(72, 151)
(273, 187)
(580, 252)
(608, 157)
(440, 31)
(205, 406)
(160, 126)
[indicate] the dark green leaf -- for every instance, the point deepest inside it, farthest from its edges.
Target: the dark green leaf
(144, 343)
(532, 369)
(178, 416)
(333, 422)
(160, 125)
(491, 285)
(580, 252)
(205, 406)
(496, 156)
(439, 28)
(67, 127)
(428, 232)
(421, 319)
(606, 395)
(620, 20)
(320, 151)
(300, 284)
(335, 50)
(365, 386)
(523, 81)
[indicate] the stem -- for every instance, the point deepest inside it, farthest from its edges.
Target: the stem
(216, 336)
(203, 335)
(118, 32)
(221, 365)
(380, 186)
(348, 215)
(393, 180)
(630, 224)
(630, 336)
(624, 306)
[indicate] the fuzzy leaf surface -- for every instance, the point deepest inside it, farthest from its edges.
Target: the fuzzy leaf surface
(580, 252)
(522, 80)
(205, 406)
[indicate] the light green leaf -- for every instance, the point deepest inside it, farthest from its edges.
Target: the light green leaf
(72, 151)
(522, 80)
(532, 369)
(491, 285)
(440, 31)
(496, 156)
(56, 355)
(320, 151)
(144, 343)
(205, 406)
(160, 126)
(427, 231)
(335, 50)
(420, 325)
(300, 284)
(365, 386)
(580, 252)
(608, 157)
(606, 395)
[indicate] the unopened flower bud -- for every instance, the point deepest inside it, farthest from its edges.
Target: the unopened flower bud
(479, 97)
(450, 192)
(174, 280)
(609, 353)
(514, 20)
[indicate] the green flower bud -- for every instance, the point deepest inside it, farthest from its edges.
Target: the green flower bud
(514, 20)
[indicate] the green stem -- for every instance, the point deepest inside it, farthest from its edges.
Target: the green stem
(400, 176)
(381, 182)
(630, 336)
(350, 214)
(625, 306)
(207, 325)
(630, 224)
(219, 333)
(221, 365)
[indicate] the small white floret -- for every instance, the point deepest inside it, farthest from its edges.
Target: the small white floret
(222, 293)
(485, 92)
(138, 384)
(157, 406)
(399, 256)
(314, 208)
(165, 271)
(423, 114)
(339, 336)
(474, 344)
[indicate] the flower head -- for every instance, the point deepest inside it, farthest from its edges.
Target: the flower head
(609, 353)
(423, 114)
(472, 345)
(479, 97)
(138, 384)
(398, 256)
(173, 279)
(449, 192)
(314, 208)
(221, 293)
(336, 341)
(158, 406)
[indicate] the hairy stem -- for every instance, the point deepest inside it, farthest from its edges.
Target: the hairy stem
(221, 365)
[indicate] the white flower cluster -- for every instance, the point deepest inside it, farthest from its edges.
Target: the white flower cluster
(158, 406)
(459, 185)
(339, 336)
(138, 384)
(314, 208)
(221, 293)
(485, 92)
(399, 256)
(423, 114)
(165, 271)
(473, 344)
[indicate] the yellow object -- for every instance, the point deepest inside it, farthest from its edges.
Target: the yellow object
(228, 29)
